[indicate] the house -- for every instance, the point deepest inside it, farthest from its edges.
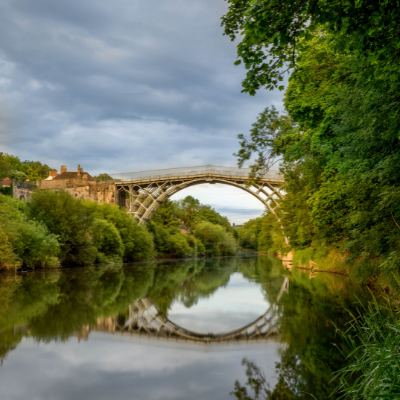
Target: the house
(6, 182)
(64, 174)
(183, 227)
(52, 174)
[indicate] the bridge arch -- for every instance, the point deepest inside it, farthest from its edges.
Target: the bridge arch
(146, 320)
(149, 189)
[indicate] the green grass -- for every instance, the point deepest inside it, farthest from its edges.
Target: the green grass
(373, 371)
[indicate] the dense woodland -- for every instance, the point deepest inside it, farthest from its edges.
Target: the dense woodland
(54, 229)
(338, 141)
(338, 147)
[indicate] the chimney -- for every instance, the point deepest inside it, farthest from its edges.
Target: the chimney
(53, 173)
(63, 169)
(79, 170)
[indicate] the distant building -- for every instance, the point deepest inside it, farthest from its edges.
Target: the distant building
(184, 228)
(52, 174)
(79, 184)
(64, 174)
(6, 182)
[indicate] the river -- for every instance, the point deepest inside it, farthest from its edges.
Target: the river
(191, 329)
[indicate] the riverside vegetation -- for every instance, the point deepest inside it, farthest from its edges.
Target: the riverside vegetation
(55, 229)
(338, 144)
(338, 141)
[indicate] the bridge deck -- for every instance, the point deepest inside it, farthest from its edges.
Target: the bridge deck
(200, 172)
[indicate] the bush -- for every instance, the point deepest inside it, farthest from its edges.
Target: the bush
(24, 242)
(137, 241)
(180, 246)
(70, 220)
(228, 245)
(161, 238)
(215, 239)
(8, 191)
(8, 259)
(108, 242)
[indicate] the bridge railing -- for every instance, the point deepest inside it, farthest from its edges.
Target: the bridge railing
(190, 171)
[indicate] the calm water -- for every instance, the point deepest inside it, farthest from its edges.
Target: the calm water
(171, 330)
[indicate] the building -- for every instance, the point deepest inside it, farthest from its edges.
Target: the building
(183, 227)
(52, 175)
(79, 183)
(6, 182)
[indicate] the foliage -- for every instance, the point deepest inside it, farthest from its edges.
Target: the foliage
(262, 234)
(168, 239)
(8, 191)
(373, 337)
(273, 33)
(13, 168)
(269, 136)
(190, 211)
(67, 218)
(18, 176)
(215, 239)
(8, 259)
(103, 177)
(137, 242)
(339, 149)
(107, 241)
(24, 242)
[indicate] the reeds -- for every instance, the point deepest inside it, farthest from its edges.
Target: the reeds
(373, 372)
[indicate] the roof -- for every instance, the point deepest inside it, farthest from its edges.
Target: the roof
(183, 226)
(72, 175)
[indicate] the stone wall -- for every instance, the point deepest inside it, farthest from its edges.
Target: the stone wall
(80, 188)
(22, 193)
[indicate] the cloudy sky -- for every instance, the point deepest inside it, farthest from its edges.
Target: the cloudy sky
(124, 86)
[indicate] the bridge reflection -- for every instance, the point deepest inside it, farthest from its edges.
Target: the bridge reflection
(145, 320)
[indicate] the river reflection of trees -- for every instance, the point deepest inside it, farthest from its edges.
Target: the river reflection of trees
(54, 305)
(313, 351)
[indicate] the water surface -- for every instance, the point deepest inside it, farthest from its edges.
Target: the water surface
(171, 330)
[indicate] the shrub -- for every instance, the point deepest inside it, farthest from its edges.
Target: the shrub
(137, 240)
(8, 191)
(107, 241)
(228, 245)
(161, 238)
(215, 239)
(25, 242)
(70, 220)
(180, 246)
(8, 259)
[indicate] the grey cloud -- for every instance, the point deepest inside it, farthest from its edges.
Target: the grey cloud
(122, 85)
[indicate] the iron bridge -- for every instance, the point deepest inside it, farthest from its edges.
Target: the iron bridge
(147, 190)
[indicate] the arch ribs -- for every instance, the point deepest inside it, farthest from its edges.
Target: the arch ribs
(146, 195)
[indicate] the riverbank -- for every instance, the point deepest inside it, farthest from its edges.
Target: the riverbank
(54, 230)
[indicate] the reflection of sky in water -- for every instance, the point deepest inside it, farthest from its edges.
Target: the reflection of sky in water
(229, 308)
(141, 370)
(110, 366)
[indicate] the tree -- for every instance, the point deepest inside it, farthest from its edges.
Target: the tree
(269, 138)
(103, 177)
(18, 176)
(273, 33)
(69, 219)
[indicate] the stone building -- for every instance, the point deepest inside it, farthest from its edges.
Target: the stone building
(6, 182)
(79, 183)
(184, 229)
